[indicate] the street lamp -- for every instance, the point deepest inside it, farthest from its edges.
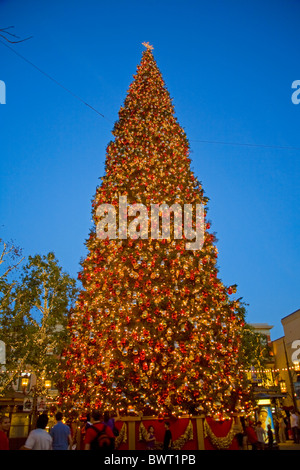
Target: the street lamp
(25, 382)
(282, 384)
(48, 384)
(297, 366)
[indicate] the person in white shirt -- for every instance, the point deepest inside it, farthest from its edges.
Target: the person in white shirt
(294, 421)
(261, 435)
(39, 438)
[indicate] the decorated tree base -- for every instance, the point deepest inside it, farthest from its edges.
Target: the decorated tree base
(188, 433)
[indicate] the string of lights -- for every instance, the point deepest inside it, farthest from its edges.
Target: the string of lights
(256, 371)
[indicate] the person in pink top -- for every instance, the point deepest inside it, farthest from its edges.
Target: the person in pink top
(4, 428)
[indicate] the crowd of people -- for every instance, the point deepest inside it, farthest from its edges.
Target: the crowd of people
(262, 437)
(100, 432)
(258, 437)
(59, 437)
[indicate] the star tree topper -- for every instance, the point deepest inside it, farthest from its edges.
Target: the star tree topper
(146, 44)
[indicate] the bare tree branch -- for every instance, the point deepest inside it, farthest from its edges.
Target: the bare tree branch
(5, 32)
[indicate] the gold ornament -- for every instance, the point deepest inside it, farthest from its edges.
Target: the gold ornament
(122, 437)
(219, 442)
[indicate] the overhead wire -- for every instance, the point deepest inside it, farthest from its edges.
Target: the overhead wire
(245, 144)
(53, 79)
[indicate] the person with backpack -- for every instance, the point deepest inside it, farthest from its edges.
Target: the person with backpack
(99, 436)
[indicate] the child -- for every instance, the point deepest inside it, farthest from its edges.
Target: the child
(168, 437)
(260, 432)
(270, 437)
(150, 438)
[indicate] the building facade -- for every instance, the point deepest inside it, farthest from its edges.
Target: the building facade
(287, 359)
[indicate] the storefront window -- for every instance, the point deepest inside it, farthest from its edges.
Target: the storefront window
(297, 389)
(19, 426)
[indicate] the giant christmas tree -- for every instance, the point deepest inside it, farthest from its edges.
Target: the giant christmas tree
(154, 328)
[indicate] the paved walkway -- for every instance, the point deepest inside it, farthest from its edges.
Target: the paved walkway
(289, 445)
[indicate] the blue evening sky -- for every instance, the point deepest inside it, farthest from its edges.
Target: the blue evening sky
(229, 66)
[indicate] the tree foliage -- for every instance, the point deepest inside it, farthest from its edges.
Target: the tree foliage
(33, 318)
(154, 326)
